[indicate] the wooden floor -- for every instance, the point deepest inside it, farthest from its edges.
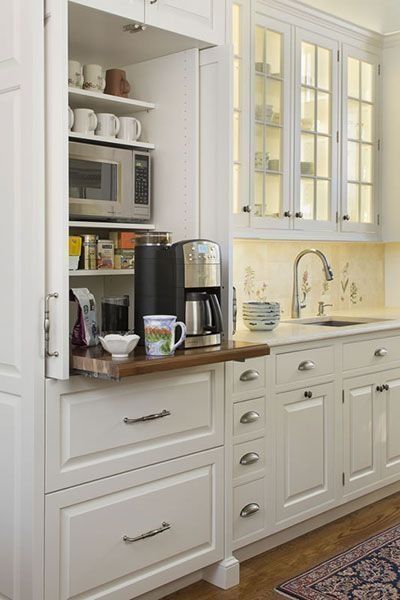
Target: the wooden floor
(260, 575)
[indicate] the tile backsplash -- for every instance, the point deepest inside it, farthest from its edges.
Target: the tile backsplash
(263, 270)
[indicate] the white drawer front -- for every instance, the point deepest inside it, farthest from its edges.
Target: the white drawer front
(249, 417)
(295, 367)
(88, 436)
(248, 458)
(248, 509)
(371, 353)
(85, 529)
(249, 375)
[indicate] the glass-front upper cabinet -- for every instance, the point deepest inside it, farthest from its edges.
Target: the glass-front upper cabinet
(360, 143)
(316, 133)
(241, 104)
(271, 130)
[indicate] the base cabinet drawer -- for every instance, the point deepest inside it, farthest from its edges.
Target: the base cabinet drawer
(248, 459)
(248, 418)
(249, 511)
(302, 365)
(371, 353)
(249, 376)
(118, 538)
(94, 429)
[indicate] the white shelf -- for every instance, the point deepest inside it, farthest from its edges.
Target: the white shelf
(109, 225)
(106, 103)
(99, 139)
(101, 272)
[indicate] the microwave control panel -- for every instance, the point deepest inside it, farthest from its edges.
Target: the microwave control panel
(142, 181)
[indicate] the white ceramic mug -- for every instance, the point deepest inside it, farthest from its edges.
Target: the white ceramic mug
(85, 121)
(93, 78)
(75, 77)
(130, 129)
(107, 125)
(70, 118)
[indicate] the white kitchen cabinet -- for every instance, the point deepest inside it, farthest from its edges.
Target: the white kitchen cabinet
(305, 451)
(360, 141)
(131, 9)
(199, 19)
(96, 542)
(361, 432)
(390, 459)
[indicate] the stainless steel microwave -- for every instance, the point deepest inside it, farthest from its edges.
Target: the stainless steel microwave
(108, 183)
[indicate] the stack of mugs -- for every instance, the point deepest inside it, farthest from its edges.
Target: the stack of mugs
(261, 316)
(87, 122)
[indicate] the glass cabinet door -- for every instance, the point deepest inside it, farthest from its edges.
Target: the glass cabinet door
(316, 162)
(360, 141)
(241, 102)
(270, 132)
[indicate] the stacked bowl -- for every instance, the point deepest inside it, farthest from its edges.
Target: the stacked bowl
(261, 316)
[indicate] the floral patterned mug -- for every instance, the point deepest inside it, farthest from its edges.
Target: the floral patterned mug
(159, 334)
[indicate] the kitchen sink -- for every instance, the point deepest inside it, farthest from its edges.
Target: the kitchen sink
(335, 321)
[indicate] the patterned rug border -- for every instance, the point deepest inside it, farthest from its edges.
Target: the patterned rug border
(337, 562)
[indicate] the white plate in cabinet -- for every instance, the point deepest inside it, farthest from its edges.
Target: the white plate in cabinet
(248, 459)
(99, 536)
(305, 449)
(95, 429)
(248, 418)
(249, 511)
(302, 365)
(371, 353)
(249, 376)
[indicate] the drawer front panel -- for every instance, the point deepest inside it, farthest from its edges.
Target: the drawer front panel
(102, 430)
(249, 376)
(295, 367)
(127, 534)
(249, 417)
(248, 458)
(248, 509)
(371, 353)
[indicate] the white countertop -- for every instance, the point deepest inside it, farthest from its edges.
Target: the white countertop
(293, 332)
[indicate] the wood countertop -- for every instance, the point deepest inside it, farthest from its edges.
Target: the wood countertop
(95, 362)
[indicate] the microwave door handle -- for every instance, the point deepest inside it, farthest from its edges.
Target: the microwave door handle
(217, 313)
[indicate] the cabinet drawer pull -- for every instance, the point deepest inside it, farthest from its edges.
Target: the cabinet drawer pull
(160, 415)
(381, 352)
(250, 375)
(249, 509)
(249, 458)
(164, 527)
(250, 417)
(306, 365)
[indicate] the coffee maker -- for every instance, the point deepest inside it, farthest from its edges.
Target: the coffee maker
(182, 279)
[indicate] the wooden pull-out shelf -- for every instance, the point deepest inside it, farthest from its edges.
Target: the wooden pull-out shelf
(97, 363)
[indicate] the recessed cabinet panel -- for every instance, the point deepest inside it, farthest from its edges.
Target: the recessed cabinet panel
(360, 427)
(305, 450)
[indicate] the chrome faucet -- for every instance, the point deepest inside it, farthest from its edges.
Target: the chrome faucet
(296, 304)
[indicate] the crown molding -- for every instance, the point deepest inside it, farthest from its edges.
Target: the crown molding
(391, 40)
(323, 19)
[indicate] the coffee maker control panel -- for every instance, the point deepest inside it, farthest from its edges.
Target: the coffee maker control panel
(201, 252)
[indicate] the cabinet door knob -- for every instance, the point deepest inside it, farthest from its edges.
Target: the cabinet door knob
(308, 394)
(306, 365)
(346, 217)
(247, 208)
(381, 352)
(153, 1)
(386, 387)
(250, 417)
(249, 509)
(250, 458)
(299, 215)
(379, 388)
(287, 214)
(249, 375)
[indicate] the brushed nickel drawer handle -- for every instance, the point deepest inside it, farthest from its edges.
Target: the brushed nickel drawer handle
(164, 527)
(250, 458)
(160, 415)
(306, 365)
(249, 510)
(249, 375)
(250, 417)
(381, 352)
